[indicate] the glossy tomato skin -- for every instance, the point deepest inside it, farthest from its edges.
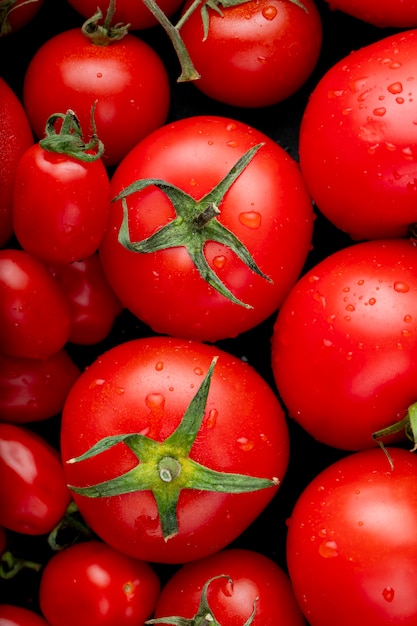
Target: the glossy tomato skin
(61, 205)
(12, 615)
(35, 316)
(145, 385)
(257, 53)
(123, 590)
(351, 545)
(389, 13)
(35, 389)
(15, 138)
(358, 140)
(273, 218)
(344, 346)
(126, 12)
(94, 305)
(254, 577)
(33, 491)
(126, 78)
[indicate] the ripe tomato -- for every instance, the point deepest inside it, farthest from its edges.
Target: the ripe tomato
(14, 14)
(93, 302)
(389, 13)
(102, 587)
(15, 138)
(143, 395)
(239, 582)
(344, 346)
(33, 491)
(11, 615)
(266, 207)
(358, 140)
(351, 545)
(256, 53)
(126, 77)
(35, 389)
(35, 316)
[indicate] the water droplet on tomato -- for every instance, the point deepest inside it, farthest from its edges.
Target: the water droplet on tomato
(245, 444)
(379, 111)
(212, 418)
(198, 371)
(401, 287)
(159, 366)
(269, 12)
(231, 126)
(251, 219)
(155, 401)
(99, 75)
(408, 319)
(327, 343)
(328, 549)
(388, 594)
(97, 382)
(219, 261)
(395, 88)
(350, 307)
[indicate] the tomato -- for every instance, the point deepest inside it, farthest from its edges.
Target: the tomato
(35, 389)
(126, 77)
(35, 316)
(11, 615)
(94, 304)
(102, 587)
(14, 14)
(3, 540)
(266, 49)
(239, 582)
(344, 346)
(61, 199)
(194, 281)
(15, 138)
(167, 400)
(358, 140)
(382, 14)
(351, 545)
(33, 492)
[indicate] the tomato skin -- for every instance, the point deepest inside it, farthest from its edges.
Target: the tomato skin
(274, 220)
(344, 346)
(254, 576)
(123, 591)
(15, 138)
(145, 385)
(134, 13)
(266, 50)
(33, 491)
(11, 615)
(351, 545)
(383, 14)
(358, 140)
(35, 316)
(126, 77)
(60, 205)
(35, 389)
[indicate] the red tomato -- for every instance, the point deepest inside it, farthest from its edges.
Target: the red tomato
(249, 582)
(126, 78)
(344, 346)
(11, 615)
(101, 587)
(351, 543)
(267, 208)
(14, 14)
(35, 389)
(61, 205)
(383, 14)
(172, 513)
(3, 540)
(266, 49)
(93, 302)
(15, 138)
(358, 140)
(33, 491)
(35, 316)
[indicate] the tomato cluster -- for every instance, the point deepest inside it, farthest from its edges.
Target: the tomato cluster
(208, 312)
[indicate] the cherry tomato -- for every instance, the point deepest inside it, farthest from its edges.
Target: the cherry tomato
(383, 14)
(126, 77)
(15, 138)
(255, 53)
(35, 389)
(35, 315)
(239, 583)
(102, 587)
(344, 346)
(94, 304)
(14, 14)
(192, 279)
(11, 615)
(3, 540)
(358, 140)
(168, 400)
(351, 545)
(33, 491)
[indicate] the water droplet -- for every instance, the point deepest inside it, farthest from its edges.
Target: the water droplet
(192, 182)
(327, 343)
(97, 382)
(231, 126)
(99, 75)
(198, 371)
(371, 301)
(159, 366)
(399, 100)
(408, 319)
(395, 88)
(328, 549)
(350, 307)
(219, 261)
(232, 144)
(388, 594)
(401, 287)
(120, 391)
(251, 219)
(212, 418)
(269, 12)
(245, 444)
(320, 299)
(155, 401)
(379, 111)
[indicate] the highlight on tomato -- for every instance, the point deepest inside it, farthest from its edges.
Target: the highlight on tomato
(171, 448)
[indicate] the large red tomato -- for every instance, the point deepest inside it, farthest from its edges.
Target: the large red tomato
(383, 14)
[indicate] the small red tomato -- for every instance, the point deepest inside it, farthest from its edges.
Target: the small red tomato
(389, 13)
(11, 615)
(91, 583)
(33, 490)
(14, 14)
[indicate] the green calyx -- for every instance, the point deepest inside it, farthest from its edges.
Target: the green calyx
(195, 224)
(103, 33)
(204, 615)
(69, 140)
(165, 467)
